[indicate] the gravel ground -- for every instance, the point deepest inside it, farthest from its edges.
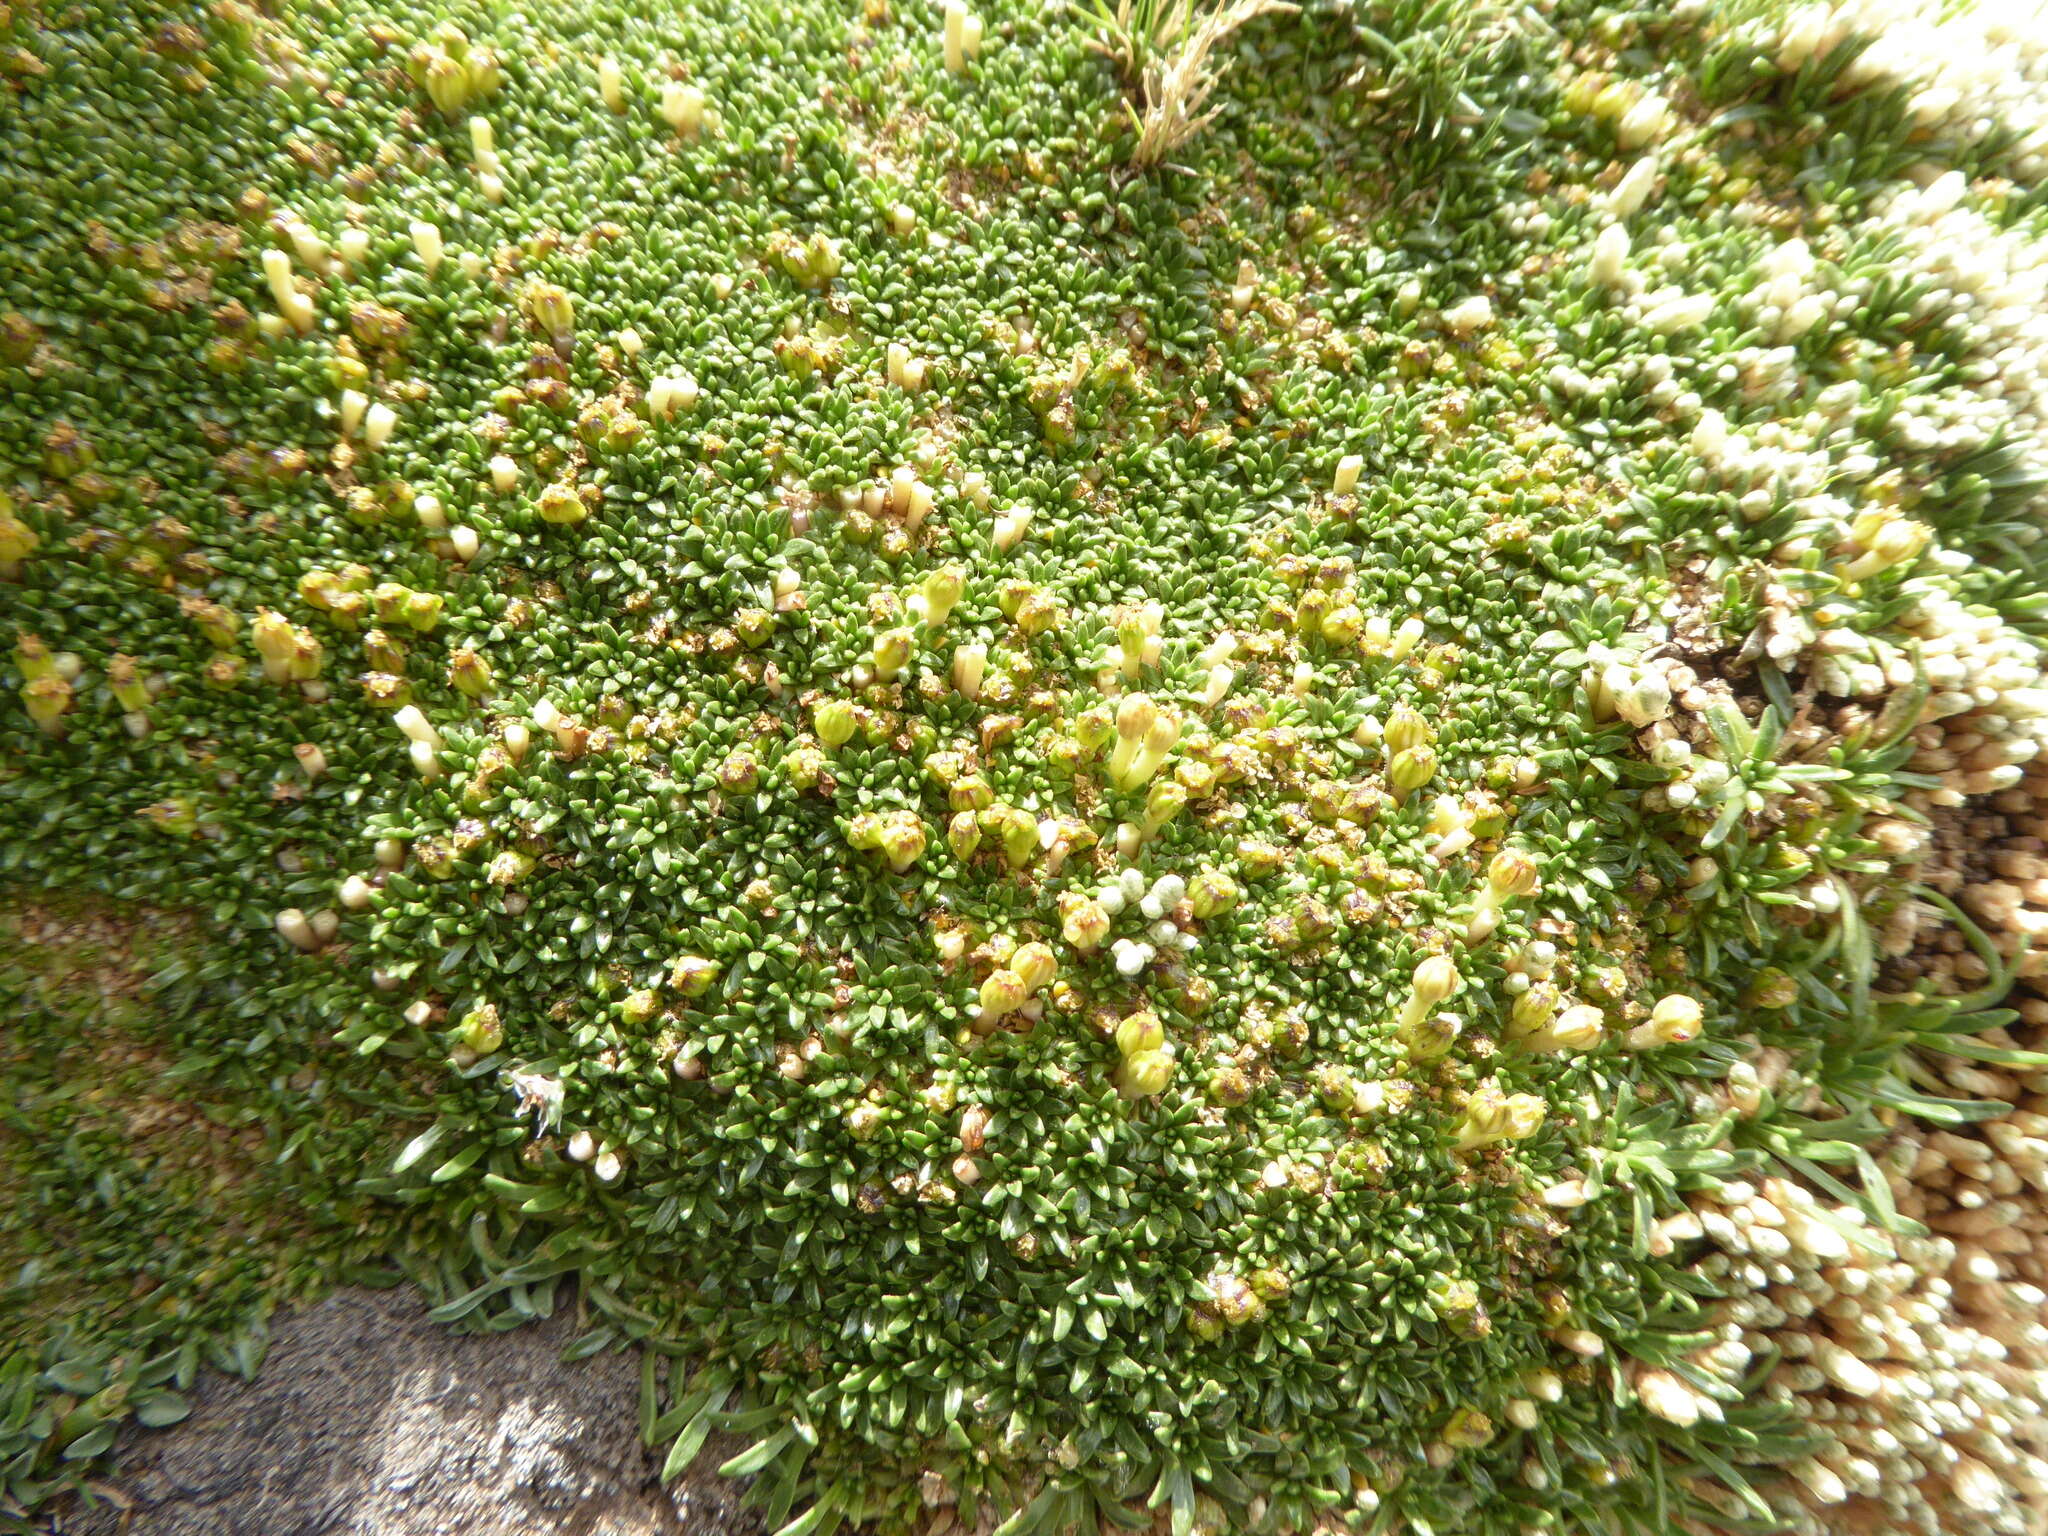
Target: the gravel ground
(368, 1420)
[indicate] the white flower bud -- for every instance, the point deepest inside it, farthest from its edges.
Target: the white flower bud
(1010, 528)
(378, 422)
(1644, 123)
(426, 241)
(1633, 189)
(1610, 256)
(970, 663)
(416, 726)
(682, 107)
(296, 930)
(1469, 315)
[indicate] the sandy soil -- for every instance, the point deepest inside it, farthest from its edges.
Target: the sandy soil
(368, 1420)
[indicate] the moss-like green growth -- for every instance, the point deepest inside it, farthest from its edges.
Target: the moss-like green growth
(1083, 837)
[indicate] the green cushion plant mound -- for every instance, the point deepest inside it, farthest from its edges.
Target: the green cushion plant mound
(1220, 818)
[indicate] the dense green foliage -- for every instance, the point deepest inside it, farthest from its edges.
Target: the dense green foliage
(1079, 837)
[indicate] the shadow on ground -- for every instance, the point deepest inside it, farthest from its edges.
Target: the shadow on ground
(368, 1420)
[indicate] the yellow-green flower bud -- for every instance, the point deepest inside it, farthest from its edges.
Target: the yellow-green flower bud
(1888, 540)
(1270, 1284)
(891, 651)
(638, 1007)
(863, 1120)
(963, 835)
(1578, 1028)
(303, 664)
(1037, 613)
(803, 766)
(1211, 892)
(446, 82)
(739, 774)
(1130, 639)
(971, 793)
(219, 625)
(1435, 979)
(1002, 993)
(32, 655)
(942, 590)
(1512, 873)
(692, 975)
(1492, 1116)
(128, 688)
(481, 1032)
(1139, 1033)
(1674, 1021)
(47, 698)
(1083, 923)
(1406, 729)
(1230, 1086)
(560, 505)
(903, 841)
(177, 817)
(271, 633)
(1145, 1075)
(551, 308)
(1034, 965)
(1410, 770)
(1336, 1087)
(1236, 1302)
(390, 601)
(1771, 988)
(17, 540)
(384, 652)
(970, 665)
(1456, 1302)
(683, 107)
(834, 721)
(1429, 1036)
(1163, 804)
(1309, 613)
(1160, 739)
(468, 672)
(1533, 1009)
(1093, 729)
(1466, 1430)
(509, 867)
(754, 626)
(1136, 715)
(1342, 626)
(1018, 831)
(1260, 859)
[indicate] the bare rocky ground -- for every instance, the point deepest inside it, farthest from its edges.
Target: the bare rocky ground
(369, 1420)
